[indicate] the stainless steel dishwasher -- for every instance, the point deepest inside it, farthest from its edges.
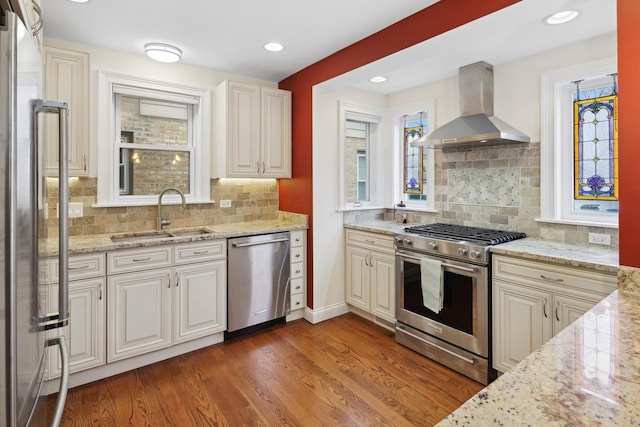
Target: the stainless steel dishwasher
(258, 280)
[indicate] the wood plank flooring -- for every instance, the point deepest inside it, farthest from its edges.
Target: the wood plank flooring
(345, 371)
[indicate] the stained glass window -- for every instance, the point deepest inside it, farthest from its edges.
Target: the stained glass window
(414, 176)
(595, 145)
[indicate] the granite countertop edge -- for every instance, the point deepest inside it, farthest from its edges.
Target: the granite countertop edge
(102, 242)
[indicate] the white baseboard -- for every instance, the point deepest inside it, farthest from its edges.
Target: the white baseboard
(318, 315)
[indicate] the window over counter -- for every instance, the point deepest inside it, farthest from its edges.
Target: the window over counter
(359, 136)
(579, 145)
(417, 164)
(152, 136)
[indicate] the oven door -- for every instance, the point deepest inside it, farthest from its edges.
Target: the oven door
(464, 318)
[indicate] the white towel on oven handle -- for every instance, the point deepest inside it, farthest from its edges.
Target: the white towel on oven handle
(432, 283)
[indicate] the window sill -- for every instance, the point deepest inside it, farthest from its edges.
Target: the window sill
(577, 222)
(150, 203)
(359, 208)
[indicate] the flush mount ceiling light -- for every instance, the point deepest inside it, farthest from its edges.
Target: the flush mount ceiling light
(163, 52)
(378, 79)
(79, 1)
(273, 47)
(561, 17)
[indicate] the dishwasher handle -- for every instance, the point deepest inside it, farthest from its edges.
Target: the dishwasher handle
(266, 242)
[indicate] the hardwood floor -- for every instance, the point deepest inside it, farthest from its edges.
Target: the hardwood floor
(345, 371)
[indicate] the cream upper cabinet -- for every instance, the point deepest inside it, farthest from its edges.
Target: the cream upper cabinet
(370, 273)
(252, 132)
(533, 301)
(67, 80)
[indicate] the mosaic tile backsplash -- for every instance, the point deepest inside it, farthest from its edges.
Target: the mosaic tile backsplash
(492, 187)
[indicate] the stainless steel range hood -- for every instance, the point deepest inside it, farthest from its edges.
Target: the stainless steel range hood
(477, 126)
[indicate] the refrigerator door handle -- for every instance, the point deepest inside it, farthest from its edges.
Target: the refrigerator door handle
(60, 319)
(61, 342)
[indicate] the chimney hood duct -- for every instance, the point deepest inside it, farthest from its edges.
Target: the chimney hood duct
(477, 125)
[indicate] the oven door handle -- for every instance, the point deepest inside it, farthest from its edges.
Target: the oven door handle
(444, 264)
(446, 350)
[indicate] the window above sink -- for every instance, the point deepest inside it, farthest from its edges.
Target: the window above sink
(152, 135)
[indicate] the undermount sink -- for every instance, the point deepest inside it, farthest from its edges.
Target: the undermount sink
(156, 235)
(189, 233)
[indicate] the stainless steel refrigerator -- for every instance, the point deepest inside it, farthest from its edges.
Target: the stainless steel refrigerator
(24, 322)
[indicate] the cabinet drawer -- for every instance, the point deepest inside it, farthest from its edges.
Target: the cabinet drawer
(80, 267)
(297, 270)
(553, 277)
(297, 254)
(297, 286)
(297, 302)
(139, 259)
(297, 238)
(201, 251)
(370, 240)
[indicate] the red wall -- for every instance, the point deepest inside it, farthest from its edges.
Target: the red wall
(628, 132)
(296, 194)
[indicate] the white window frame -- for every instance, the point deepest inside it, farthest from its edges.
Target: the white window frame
(397, 113)
(374, 118)
(109, 136)
(556, 168)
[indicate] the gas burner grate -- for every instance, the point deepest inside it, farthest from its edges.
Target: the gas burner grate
(485, 236)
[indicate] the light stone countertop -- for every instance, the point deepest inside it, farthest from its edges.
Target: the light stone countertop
(377, 226)
(103, 242)
(588, 374)
(600, 258)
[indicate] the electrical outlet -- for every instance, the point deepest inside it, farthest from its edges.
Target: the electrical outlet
(225, 203)
(75, 210)
(600, 239)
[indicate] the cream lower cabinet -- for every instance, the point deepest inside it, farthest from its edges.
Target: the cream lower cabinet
(87, 297)
(370, 273)
(533, 301)
(165, 295)
(298, 240)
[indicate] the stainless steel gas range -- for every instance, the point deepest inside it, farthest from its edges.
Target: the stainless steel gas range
(458, 333)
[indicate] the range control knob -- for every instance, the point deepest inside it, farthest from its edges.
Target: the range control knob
(462, 251)
(398, 239)
(475, 254)
(407, 242)
(433, 246)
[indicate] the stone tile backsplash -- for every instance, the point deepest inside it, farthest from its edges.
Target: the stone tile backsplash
(251, 200)
(493, 187)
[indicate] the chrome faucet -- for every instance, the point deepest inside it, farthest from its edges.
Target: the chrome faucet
(161, 222)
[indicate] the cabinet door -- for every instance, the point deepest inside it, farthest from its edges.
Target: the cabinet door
(243, 123)
(86, 331)
(67, 80)
(139, 313)
(568, 309)
(383, 291)
(276, 133)
(199, 300)
(522, 322)
(357, 280)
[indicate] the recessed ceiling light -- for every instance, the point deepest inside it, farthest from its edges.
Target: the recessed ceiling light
(79, 1)
(561, 17)
(273, 47)
(163, 52)
(378, 79)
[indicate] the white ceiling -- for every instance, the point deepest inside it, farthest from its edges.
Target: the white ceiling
(229, 36)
